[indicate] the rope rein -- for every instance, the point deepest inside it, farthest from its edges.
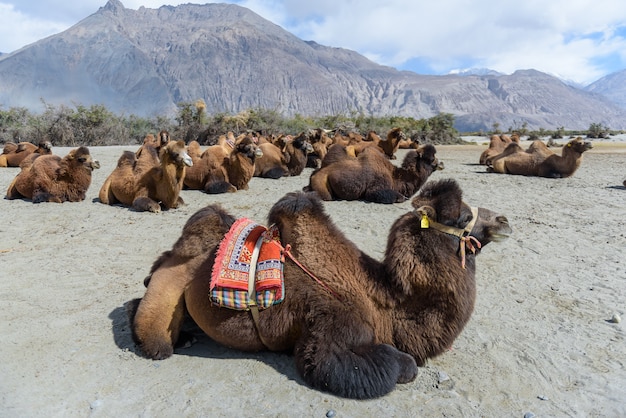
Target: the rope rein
(288, 253)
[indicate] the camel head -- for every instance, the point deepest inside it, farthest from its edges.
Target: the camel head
(163, 139)
(249, 148)
(302, 143)
(424, 155)
(579, 145)
(176, 151)
(441, 203)
(81, 157)
(396, 135)
(45, 147)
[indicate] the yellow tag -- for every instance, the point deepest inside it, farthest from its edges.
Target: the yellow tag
(424, 224)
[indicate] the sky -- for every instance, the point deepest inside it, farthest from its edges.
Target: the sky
(576, 40)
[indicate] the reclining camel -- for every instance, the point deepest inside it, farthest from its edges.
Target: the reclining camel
(50, 178)
(146, 187)
(286, 156)
(355, 325)
(222, 169)
(372, 177)
(538, 160)
(13, 154)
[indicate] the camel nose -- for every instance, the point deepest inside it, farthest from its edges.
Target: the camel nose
(187, 160)
(258, 152)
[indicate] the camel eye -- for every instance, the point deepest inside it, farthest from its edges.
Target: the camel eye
(81, 159)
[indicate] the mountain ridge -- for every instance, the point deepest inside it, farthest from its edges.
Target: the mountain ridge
(146, 61)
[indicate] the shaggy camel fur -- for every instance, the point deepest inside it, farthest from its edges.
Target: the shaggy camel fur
(539, 160)
(148, 189)
(372, 177)
(365, 325)
(497, 144)
(296, 150)
(13, 154)
(50, 178)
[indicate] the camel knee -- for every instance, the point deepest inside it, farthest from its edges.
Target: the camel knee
(145, 204)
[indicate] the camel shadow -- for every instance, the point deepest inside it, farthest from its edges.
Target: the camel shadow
(616, 187)
(203, 347)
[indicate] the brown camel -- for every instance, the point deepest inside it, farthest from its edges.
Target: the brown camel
(13, 154)
(50, 178)
(538, 160)
(231, 172)
(372, 177)
(497, 144)
(359, 326)
(273, 163)
(391, 144)
(149, 189)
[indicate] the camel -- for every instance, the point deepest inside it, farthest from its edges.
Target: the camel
(372, 177)
(356, 326)
(231, 172)
(273, 163)
(538, 160)
(320, 141)
(13, 154)
(50, 178)
(497, 144)
(159, 141)
(391, 144)
(196, 174)
(296, 151)
(148, 189)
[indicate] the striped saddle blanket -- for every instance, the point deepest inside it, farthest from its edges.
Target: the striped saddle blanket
(248, 249)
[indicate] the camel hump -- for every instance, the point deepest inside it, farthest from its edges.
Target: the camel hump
(295, 203)
(210, 221)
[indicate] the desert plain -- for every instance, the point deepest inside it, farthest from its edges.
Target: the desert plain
(545, 338)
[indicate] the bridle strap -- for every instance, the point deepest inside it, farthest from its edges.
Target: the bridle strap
(466, 240)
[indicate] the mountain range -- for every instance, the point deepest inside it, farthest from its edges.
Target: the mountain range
(146, 61)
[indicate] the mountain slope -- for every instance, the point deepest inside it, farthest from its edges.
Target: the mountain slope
(146, 61)
(612, 86)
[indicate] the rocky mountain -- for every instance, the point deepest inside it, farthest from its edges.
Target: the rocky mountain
(613, 86)
(145, 61)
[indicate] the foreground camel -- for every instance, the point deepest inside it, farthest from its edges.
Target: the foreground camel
(372, 177)
(359, 326)
(148, 188)
(13, 154)
(538, 160)
(50, 178)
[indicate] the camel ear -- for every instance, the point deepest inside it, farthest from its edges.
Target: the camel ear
(71, 155)
(427, 211)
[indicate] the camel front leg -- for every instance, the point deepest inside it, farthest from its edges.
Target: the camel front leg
(143, 203)
(160, 314)
(344, 360)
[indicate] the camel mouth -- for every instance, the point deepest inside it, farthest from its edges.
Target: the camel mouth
(439, 166)
(500, 236)
(187, 161)
(258, 153)
(94, 165)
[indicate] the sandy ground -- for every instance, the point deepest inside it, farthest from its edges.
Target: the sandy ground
(540, 340)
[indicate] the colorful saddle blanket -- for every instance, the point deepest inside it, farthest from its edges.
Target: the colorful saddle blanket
(230, 275)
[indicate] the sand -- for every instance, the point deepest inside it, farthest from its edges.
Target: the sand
(540, 340)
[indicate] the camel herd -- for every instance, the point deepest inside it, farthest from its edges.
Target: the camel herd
(356, 326)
